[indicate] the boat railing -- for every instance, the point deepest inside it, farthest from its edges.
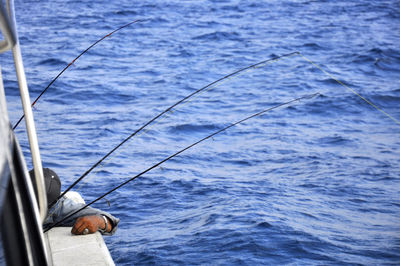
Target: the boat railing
(10, 42)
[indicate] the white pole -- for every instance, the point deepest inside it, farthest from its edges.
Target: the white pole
(30, 124)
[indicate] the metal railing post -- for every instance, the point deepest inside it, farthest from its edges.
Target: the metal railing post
(30, 124)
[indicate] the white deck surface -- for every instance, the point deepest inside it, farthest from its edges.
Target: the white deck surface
(68, 249)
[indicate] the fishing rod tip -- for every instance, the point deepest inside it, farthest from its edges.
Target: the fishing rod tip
(313, 95)
(140, 20)
(310, 96)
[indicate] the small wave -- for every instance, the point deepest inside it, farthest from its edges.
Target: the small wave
(158, 20)
(359, 59)
(187, 128)
(358, 200)
(179, 184)
(160, 81)
(386, 53)
(308, 215)
(232, 8)
(331, 81)
(386, 64)
(107, 132)
(386, 178)
(376, 51)
(60, 101)
(386, 100)
(361, 158)
(148, 72)
(208, 24)
(23, 39)
(85, 17)
(334, 140)
(182, 52)
(264, 225)
(104, 172)
(52, 62)
(284, 152)
(387, 59)
(218, 36)
(145, 257)
(125, 12)
(314, 46)
(309, 185)
(238, 162)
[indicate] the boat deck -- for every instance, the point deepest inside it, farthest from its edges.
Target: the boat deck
(68, 249)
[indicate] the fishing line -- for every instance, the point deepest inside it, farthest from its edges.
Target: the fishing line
(209, 86)
(72, 62)
(350, 89)
(221, 81)
(184, 149)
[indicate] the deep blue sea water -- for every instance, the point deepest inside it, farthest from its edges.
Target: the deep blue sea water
(316, 183)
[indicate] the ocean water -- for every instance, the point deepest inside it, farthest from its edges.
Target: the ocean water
(313, 183)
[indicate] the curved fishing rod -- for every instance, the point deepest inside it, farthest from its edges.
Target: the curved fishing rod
(259, 64)
(72, 62)
(184, 149)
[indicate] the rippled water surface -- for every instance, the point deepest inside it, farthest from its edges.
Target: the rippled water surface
(315, 183)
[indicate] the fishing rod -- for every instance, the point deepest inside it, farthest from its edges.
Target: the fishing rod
(259, 64)
(184, 149)
(72, 62)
